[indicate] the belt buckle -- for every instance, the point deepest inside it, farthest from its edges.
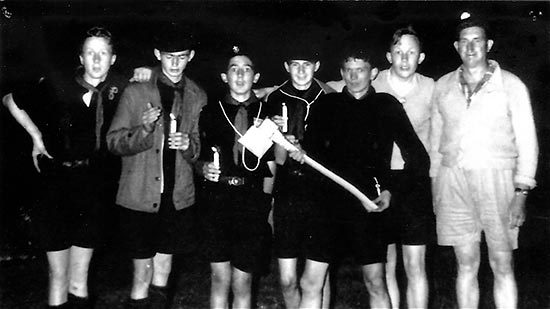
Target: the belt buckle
(235, 181)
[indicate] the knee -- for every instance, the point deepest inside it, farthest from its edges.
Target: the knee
(375, 285)
(310, 285)
(58, 275)
(288, 282)
(501, 268)
(163, 266)
(220, 280)
(242, 287)
(414, 268)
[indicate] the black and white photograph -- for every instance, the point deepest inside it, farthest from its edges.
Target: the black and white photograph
(274, 154)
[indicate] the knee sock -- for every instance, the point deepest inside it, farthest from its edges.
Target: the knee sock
(159, 296)
(78, 302)
(143, 303)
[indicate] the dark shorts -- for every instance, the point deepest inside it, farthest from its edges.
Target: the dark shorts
(411, 211)
(235, 226)
(359, 232)
(295, 201)
(70, 210)
(169, 231)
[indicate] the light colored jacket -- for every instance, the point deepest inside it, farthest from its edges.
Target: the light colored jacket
(497, 131)
(141, 179)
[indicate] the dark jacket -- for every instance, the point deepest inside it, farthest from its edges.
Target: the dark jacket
(141, 180)
(354, 138)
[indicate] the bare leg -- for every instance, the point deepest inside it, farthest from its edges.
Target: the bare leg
(143, 273)
(467, 286)
(58, 279)
(78, 271)
(326, 292)
(391, 278)
(374, 279)
(162, 266)
(220, 283)
(242, 289)
(312, 282)
(288, 279)
(505, 289)
(417, 281)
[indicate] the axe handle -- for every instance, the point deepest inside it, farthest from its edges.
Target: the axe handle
(341, 181)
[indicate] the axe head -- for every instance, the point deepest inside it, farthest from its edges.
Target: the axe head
(258, 139)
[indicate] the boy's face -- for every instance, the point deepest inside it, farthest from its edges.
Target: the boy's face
(240, 75)
(473, 46)
(96, 57)
(301, 72)
(358, 75)
(405, 56)
(174, 63)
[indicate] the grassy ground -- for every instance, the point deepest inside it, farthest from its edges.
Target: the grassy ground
(23, 282)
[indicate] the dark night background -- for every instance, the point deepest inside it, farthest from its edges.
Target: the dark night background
(40, 36)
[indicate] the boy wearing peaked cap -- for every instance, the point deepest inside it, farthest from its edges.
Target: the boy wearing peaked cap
(155, 130)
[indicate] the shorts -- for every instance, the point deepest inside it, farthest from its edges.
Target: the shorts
(468, 202)
(70, 210)
(235, 226)
(295, 201)
(359, 232)
(170, 231)
(411, 211)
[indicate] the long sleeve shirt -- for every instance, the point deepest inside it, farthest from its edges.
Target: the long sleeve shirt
(354, 138)
(417, 105)
(496, 130)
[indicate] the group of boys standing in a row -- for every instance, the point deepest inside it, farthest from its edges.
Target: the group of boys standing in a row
(476, 122)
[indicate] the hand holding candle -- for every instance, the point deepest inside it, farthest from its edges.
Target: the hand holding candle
(284, 129)
(177, 140)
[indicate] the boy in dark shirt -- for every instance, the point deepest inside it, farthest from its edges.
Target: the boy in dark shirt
(237, 188)
(352, 133)
(294, 188)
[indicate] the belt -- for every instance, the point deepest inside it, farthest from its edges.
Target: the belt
(232, 181)
(76, 163)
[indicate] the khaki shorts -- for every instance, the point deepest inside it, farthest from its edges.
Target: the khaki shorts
(467, 202)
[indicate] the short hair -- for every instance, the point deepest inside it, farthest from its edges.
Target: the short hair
(473, 22)
(357, 52)
(99, 32)
(405, 31)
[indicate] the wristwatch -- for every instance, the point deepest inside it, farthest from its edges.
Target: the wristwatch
(518, 191)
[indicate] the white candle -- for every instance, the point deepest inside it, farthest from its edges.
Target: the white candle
(216, 159)
(173, 124)
(285, 118)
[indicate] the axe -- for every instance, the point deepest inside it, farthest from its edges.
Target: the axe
(258, 139)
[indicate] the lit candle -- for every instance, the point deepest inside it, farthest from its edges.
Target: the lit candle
(173, 124)
(285, 118)
(216, 159)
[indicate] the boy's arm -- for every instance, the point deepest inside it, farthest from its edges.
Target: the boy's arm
(26, 122)
(132, 129)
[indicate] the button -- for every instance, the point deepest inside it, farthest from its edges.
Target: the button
(155, 205)
(157, 178)
(158, 150)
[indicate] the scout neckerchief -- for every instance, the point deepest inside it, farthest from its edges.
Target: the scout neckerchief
(468, 92)
(240, 126)
(99, 107)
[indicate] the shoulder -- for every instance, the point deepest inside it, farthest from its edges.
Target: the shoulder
(510, 79)
(447, 79)
(424, 80)
(194, 89)
(326, 88)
